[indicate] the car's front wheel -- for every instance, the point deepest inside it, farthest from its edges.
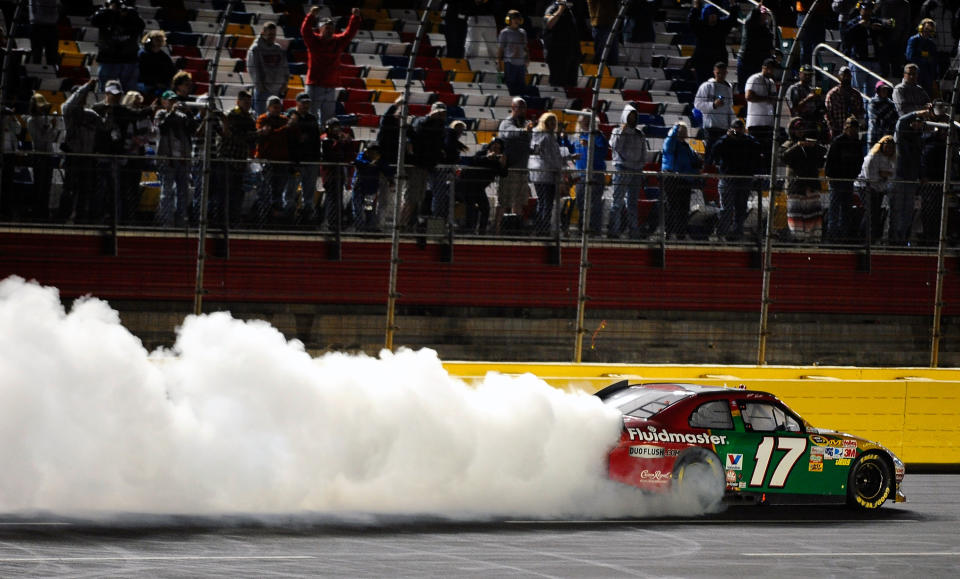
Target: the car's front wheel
(870, 482)
(698, 479)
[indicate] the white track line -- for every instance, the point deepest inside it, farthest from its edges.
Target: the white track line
(837, 555)
(152, 558)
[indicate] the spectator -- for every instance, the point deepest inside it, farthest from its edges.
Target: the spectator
(593, 193)
(909, 139)
(908, 96)
(874, 182)
(947, 14)
(562, 54)
(44, 36)
(388, 137)
(714, 100)
(304, 127)
(922, 51)
(815, 30)
(711, 31)
(805, 101)
(182, 86)
(426, 152)
(882, 114)
(236, 146)
(366, 183)
(844, 160)
(515, 131)
(545, 165)
(512, 55)
(894, 38)
(324, 48)
(629, 146)
(11, 202)
(932, 161)
(804, 159)
(273, 150)
(120, 27)
(156, 66)
(175, 129)
(452, 148)
(455, 27)
(110, 143)
(603, 14)
(843, 101)
(680, 160)
(736, 153)
(845, 10)
(859, 33)
(761, 95)
(336, 145)
(756, 46)
(137, 131)
(472, 182)
(267, 67)
(44, 130)
(80, 176)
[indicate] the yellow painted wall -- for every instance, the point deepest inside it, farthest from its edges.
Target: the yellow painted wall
(915, 412)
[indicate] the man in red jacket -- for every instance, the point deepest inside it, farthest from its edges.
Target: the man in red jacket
(324, 48)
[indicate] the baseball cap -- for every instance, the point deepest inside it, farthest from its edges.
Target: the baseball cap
(303, 97)
(169, 95)
(438, 106)
(274, 100)
(113, 87)
(735, 123)
(772, 62)
(806, 68)
(844, 69)
(881, 84)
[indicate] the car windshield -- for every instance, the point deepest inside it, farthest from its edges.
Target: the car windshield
(644, 402)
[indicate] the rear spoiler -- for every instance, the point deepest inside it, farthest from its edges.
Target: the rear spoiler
(612, 389)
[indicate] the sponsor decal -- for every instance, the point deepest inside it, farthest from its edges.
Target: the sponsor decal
(834, 442)
(646, 451)
(849, 453)
(743, 484)
(816, 458)
(816, 467)
(843, 462)
(832, 453)
(817, 450)
(731, 476)
(734, 461)
(654, 435)
(850, 444)
(817, 439)
(672, 452)
(658, 475)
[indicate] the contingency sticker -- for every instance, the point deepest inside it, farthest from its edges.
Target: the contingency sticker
(816, 467)
(734, 461)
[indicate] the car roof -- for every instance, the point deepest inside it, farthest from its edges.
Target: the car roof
(692, 389)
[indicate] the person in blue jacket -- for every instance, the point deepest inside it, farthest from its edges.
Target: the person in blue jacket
(595, 190)
(680, 164)
(366, 184)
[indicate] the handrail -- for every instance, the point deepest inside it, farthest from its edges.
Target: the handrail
(726, 12)
(850, 61)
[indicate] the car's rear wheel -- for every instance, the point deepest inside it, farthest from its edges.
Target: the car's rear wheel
(698, 479)
(870, 482)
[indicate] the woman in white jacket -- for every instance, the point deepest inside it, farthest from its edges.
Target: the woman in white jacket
(879, 167)
(629, 146)
(545, 164)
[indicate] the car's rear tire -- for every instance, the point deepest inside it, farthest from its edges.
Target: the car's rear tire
(698, 478)
(870, 482)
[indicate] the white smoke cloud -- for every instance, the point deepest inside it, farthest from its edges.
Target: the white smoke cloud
(236, 419)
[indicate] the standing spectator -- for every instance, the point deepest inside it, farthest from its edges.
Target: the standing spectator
(515, 131)
(323, 58)
(882, 114)
(512, 55)
(366, 183)
(267, 66)
(545, 165)
(761, 95)
(120, 28)
(305, 155)
(736, 153)
(714, 100)
(336, 144)
(110, 143)
(156, 66)
(236, 146)
(137, 130)
(591, 191)
(11, 203)
(874, 182)
(756, 45)
(844, 160)
(44, 37)
(815, 30)
(862, 39)
(388, 137)
(559, 38)
(845, 10)
(452, 149)
(174, 128)
(842, 102)
(44, 132)
(603, 14)
(932, 162)
(80, 176)
(273, 150)
(806, 102)
(678, 158)
(629, 146)
(455, 27)
(804, 159)
(909, 138)
(909, 96)
(711, 31)
(894, 46)
(946, 15)
(922, 51)
(426, 152)
(472, 182)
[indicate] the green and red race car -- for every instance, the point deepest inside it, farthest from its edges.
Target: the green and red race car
(742, 445)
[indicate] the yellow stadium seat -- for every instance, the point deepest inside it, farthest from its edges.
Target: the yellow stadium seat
(788, 33)
(295, 81)
(237, 29)
(242, 41)
(687, 49)
(385, 24)
(484, 137)
(374, 14)
(68, 47)
(455, 64)
(387, 96)
(463, 76)
(67, 59)
(586, 47)
(379, 84)
(697, 145)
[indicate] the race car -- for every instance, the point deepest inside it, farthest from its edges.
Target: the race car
(716, 443)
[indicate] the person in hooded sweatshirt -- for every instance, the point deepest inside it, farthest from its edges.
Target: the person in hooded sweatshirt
(267, 65)
(629, 146)
(680, 159)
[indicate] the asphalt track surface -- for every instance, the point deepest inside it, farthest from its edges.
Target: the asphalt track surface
(920, 538)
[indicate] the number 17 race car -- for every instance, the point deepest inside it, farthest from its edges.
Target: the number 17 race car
(716, 443)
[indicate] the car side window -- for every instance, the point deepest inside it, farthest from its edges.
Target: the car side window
(714, 414)
(766, 417)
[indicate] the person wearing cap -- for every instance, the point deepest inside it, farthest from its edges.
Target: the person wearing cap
(803, 159)
(881, 113)
(711, 30)
(806, 101)
(175, 128)
(478, 173)
(305, 153)
(267, 67)
(110, 141)
(80, 197)
(736, 154)
(273, 150)
(324, 48)
(425, 147)
(908, 95)
(236, 146)
(44, 132)
(756, 46)
(441, 201)
(514, 190)
(714, 100)
(932, 161)
(120, 28)
(862, 39)
(761, 95)
(368, 171)
(844, 160)
(842, 102)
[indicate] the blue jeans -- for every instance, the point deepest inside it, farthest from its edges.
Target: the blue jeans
(734, 194)
(627, 183)
(546, 199)
(595, 192)
(307, 179)
(174, 192)
(127, 74)
(838, 214)
(515, 77)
